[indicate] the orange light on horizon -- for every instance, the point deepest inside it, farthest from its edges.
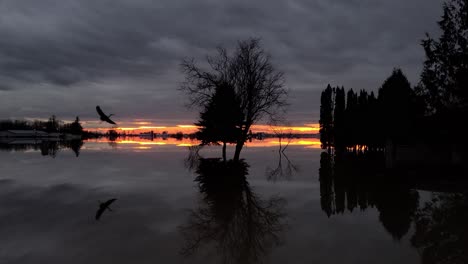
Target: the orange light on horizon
(152, 127)
(185, 128)
(305, 129)
(283, 129)
(142, 123)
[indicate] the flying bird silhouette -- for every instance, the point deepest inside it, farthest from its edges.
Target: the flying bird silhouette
(103, 206)
(104, 117)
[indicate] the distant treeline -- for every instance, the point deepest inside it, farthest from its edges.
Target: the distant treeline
(52, 125)
(358, 119)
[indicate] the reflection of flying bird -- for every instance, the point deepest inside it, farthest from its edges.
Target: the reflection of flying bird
(103, 207)
(104, 117)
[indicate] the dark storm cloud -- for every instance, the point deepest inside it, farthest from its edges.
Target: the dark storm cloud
(60, 55)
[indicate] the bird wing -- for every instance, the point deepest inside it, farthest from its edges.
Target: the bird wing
(99, 212)
(100, 112)
(108, 202)
(108, 120)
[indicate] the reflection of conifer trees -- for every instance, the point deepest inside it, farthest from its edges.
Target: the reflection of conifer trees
(74, 145)
(326, 184)
(397, 206)
(351, 180)
(241, 225)
(49, 148)
(46, 147)
(112, 144)
(441, 233)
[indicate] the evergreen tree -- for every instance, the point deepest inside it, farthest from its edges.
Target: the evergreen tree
(339, 118)
(374, 139)
(52, 125)
(75, 127)
(444, 79)
(395, 101)
(362, 117)
(326, 118)
(350, 115)
(222, 118)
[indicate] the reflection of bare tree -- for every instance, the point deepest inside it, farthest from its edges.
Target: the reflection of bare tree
(441, 230)
(281, 171)
(241, 225)
(284, 135)
(192, 160)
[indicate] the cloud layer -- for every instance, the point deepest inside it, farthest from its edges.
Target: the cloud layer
(65, 56)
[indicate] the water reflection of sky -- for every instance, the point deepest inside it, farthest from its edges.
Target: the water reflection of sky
(48, 207)
(136, 143)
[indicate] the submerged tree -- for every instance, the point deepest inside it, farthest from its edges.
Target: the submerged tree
(444, 80)
(222, 118)
(258, 86)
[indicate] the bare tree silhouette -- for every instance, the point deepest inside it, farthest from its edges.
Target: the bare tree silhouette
(259, 87)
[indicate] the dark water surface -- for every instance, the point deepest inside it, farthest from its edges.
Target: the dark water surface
(166, 213)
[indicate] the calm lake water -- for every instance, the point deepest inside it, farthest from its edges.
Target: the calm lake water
(168, 213)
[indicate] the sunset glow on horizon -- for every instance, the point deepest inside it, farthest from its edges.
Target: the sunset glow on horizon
(145, 126)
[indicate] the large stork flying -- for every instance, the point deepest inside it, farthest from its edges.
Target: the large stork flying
(104, 117)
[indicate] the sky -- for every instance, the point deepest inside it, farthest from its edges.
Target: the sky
(64, 57)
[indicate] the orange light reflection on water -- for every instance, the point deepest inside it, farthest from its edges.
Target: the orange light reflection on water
(145, 144)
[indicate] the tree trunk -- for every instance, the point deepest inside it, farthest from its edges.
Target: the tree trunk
(239, 146)
(224, 151)
(240, 143)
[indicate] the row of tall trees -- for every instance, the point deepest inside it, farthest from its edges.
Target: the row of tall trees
(439, 102)
(52, 125)
(358, 119)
